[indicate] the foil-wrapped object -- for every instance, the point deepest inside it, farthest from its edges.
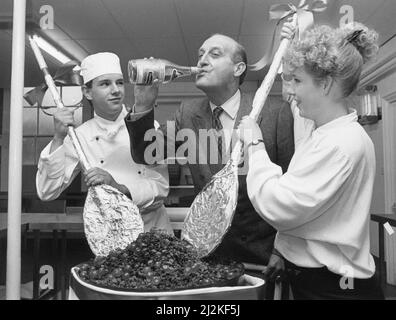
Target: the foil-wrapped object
(212, 211)
(111, 220)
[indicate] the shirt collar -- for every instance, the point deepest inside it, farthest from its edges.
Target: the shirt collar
(231, 106)
(110, 128)
(341, 121)
(104, 122)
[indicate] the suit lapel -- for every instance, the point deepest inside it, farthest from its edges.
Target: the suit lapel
(244, 108)
(203, 118)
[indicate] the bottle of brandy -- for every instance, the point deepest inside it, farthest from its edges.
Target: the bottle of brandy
(145, 71)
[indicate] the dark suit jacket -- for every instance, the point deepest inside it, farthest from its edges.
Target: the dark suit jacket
(250, 238)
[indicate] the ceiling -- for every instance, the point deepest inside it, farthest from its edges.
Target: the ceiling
(169, 29)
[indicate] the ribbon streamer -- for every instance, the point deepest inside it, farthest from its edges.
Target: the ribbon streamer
(66, 75)
(304, 12)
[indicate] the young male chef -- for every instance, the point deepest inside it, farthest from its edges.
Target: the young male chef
(105, 141)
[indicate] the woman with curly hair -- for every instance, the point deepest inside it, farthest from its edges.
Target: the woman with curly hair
(320, 206)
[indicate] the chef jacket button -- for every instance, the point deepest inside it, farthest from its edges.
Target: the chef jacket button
(101, 161)
(97, 138)
(140, 172)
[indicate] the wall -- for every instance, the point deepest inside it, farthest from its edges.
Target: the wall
(387, 86)
(1, 123)
(383, 73)
(378, 199)
(38, 131)
(5, 136)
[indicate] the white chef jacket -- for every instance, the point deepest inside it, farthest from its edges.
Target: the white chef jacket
(320, 206)
(106, 145)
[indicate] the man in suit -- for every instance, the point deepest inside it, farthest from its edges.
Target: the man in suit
(223, 62)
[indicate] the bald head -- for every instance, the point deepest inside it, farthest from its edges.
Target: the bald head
(225, 38)
(238, 52)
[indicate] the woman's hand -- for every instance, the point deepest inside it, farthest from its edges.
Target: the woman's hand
(288, 29)
(248, 130)
(275, 268)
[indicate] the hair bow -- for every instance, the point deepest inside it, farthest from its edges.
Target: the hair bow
(354, 36)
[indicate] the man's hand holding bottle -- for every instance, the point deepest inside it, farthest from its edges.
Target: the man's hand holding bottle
(145, 96)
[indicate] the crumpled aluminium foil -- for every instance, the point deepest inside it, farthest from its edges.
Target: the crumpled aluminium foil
(111, 220)
(212, 211)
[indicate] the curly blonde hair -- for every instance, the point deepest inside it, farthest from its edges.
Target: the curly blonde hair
(340, 53)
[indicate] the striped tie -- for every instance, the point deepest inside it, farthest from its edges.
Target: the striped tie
(219, 127)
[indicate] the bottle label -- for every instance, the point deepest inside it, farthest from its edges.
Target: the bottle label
(147, 71)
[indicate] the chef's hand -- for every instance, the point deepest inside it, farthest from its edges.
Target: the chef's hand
(145, 96)
(288, 29)
(62, 119)
(96, 176)
(275, 268)
(249, 130)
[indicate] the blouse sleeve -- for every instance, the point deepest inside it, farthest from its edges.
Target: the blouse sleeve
(303, 192)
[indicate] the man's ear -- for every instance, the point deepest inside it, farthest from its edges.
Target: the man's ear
(327, 84)
(86, 92)
(239, 68)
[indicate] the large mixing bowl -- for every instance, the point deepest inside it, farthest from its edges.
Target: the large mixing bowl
(245, 288)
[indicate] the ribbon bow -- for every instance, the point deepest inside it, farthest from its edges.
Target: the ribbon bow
(354, 36)
(304, 12)
(66, 75)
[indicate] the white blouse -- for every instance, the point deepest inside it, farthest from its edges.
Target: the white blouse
(320, 206)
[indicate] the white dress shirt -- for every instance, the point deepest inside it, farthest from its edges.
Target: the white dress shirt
(320, 206)
(106, 145)
(227, 118)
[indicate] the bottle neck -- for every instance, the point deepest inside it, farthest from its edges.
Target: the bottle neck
(181, 70)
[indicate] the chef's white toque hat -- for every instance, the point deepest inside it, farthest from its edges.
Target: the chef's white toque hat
(99, 64)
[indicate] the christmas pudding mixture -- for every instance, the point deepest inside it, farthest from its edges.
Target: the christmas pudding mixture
(158, 261)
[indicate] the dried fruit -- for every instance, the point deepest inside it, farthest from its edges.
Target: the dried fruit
(158, 261)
